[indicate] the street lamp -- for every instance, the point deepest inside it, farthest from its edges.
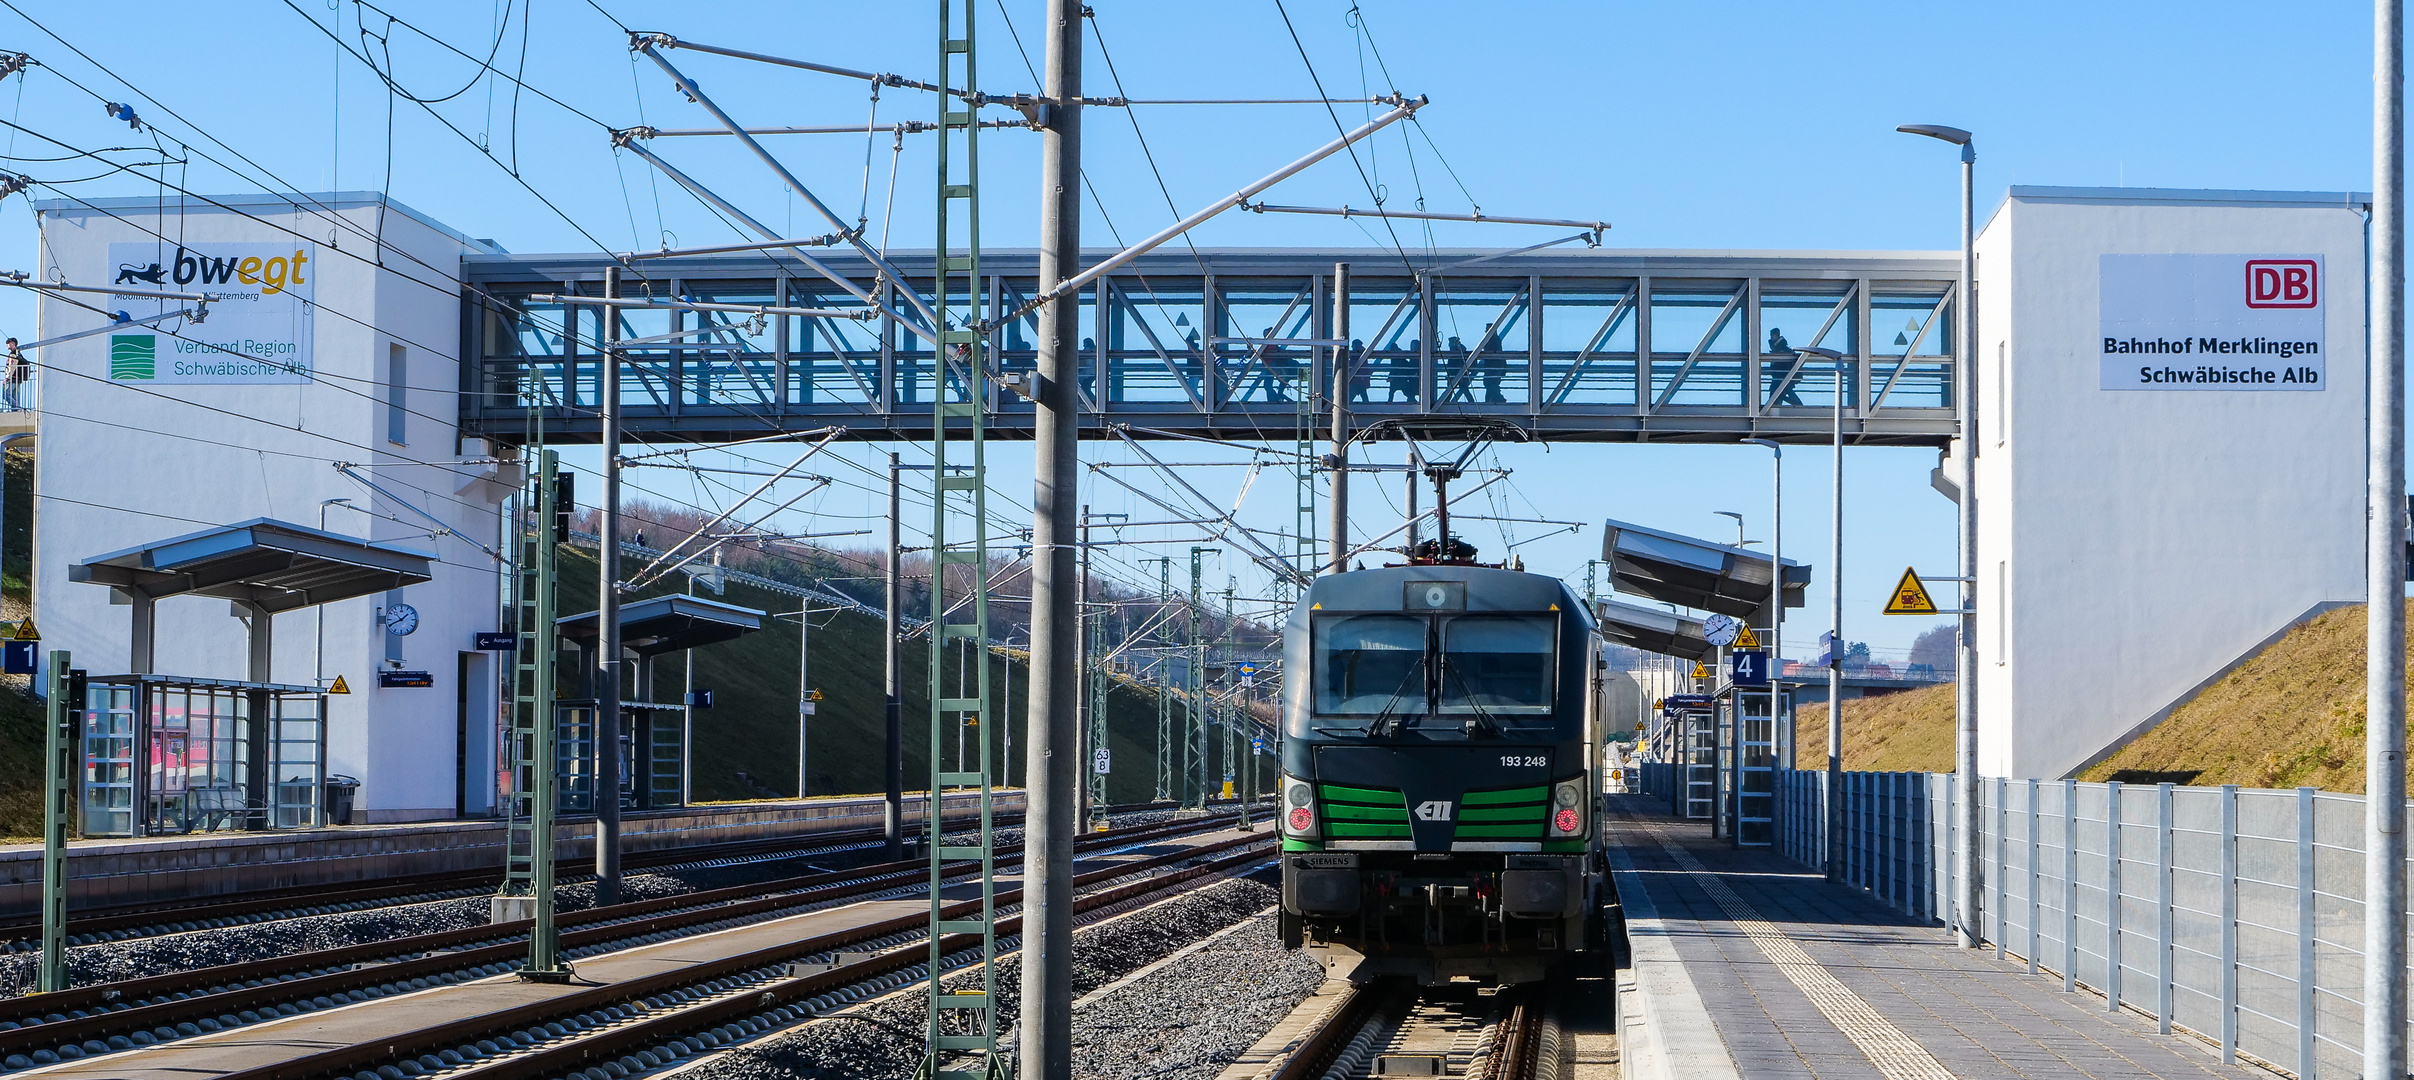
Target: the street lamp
(1834, 795)
(1965, 478)
(1739, 540)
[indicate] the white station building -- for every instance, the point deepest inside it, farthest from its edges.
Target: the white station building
(345, 340)
(2170, 451)
(2170, 467)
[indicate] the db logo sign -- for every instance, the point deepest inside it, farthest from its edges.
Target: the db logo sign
(1436, 810)
(2281, 283)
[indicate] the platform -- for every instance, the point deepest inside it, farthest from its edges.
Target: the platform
(1746, 965)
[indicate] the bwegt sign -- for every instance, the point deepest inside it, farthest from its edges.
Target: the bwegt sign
(2211, 322)
(259, 325)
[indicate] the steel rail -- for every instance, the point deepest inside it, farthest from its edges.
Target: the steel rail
(1513, 1056)
(567, 1057)
(395, 889)
(442, 954)
(614, 1042)
(112, 918)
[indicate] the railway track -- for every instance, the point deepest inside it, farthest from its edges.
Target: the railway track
(1391, 1027)
(119, 923)
(142, 920)
(646, 1040)
(107, 1017)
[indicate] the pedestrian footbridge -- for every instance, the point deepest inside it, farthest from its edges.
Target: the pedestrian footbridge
(1577, 345)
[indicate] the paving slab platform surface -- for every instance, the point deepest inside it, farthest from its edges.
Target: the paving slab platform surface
(255, 1045)
(1747, 965)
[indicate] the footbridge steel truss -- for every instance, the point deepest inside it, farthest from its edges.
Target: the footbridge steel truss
(1583, 345)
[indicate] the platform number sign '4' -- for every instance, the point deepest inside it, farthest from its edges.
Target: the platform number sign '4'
(1749, 667)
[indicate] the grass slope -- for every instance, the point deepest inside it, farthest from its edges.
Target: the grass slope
(1908, 731)
(2291, 716)
(746, 744)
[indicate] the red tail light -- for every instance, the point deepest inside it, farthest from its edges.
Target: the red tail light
(1566, 820)
(1302, 819)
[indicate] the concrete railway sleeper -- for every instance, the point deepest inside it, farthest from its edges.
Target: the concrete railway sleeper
(1392, 1027)
(140, 1012)
(611, 1028)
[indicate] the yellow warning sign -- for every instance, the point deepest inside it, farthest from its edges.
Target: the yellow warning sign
(1747, 639)
(26, 631)
(1910, 596)
(340, 686)
(1700, 672)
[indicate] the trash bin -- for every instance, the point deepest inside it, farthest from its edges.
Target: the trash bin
(340, 790)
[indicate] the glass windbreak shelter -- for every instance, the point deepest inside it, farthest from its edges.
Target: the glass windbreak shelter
(652, 744)
(164, 755)
(653, 736)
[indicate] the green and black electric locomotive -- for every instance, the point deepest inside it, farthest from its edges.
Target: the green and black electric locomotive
(1439, 759)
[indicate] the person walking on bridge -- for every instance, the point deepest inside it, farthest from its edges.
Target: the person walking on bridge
(1404, 372)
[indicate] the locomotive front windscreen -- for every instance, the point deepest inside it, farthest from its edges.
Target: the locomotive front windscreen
(1370, 664)
(1498, 665)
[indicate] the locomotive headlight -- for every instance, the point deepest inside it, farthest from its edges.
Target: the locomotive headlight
(1299, 817)
(1567, 817)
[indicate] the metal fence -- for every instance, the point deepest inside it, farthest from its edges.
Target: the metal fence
(2235, 914)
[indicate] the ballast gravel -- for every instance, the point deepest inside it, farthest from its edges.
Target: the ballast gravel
(136, 957)
(1190, 1018)
(1183, 1020)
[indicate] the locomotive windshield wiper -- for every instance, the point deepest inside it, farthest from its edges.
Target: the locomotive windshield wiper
(1377, 726)
(1482, 721)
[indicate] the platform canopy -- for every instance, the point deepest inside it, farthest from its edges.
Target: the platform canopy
(1653, 630)
(1694, 573)
(668, 624)
(272, 565)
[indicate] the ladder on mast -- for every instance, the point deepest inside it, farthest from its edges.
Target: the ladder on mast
(1164, 683)
(530, 805)
(962, 1022)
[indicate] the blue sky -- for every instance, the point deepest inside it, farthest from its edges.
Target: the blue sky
(1733, 125)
